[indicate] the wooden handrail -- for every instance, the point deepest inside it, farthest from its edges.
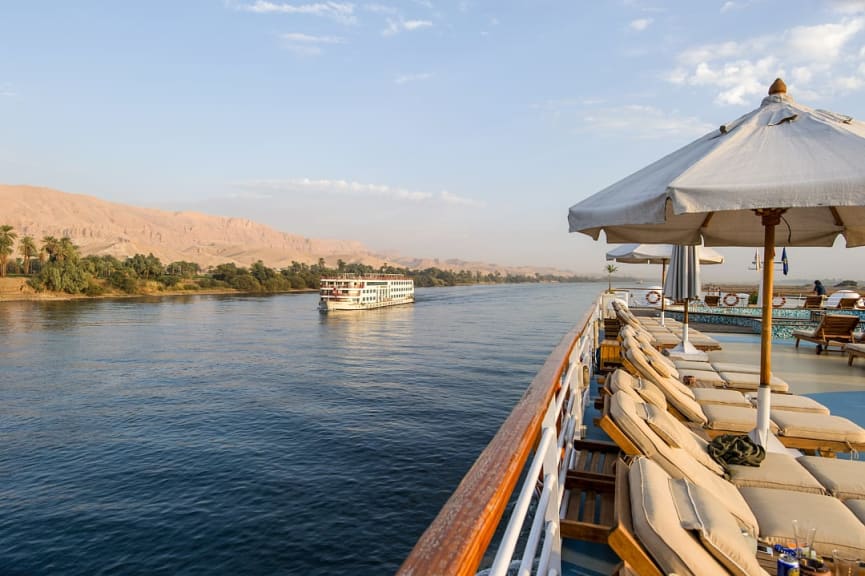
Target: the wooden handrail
(457, 539)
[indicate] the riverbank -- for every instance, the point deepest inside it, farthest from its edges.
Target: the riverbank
(16, 289)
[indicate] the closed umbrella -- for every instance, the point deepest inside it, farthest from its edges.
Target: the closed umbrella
(782, 164)
(682, 285)
(657, 254)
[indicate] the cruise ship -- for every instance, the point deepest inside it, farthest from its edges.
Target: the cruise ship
(364, 292)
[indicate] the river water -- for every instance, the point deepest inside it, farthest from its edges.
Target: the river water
(251, 435)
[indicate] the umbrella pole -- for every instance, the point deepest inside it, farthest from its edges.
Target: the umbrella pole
(771, 218)
(663, 299)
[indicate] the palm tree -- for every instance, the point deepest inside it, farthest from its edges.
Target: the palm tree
(7, 238)
(27, 248)
(50, 248)
(611, 269)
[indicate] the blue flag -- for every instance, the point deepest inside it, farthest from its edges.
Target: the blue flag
(784, 265)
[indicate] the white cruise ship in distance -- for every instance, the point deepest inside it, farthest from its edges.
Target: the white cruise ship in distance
(364, 291)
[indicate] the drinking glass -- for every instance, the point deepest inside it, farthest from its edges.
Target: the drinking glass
(845, 564)
(804, 534)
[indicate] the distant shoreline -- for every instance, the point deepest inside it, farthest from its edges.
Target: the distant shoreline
(15, 289)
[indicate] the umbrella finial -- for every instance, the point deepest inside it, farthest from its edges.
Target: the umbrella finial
(777, 87)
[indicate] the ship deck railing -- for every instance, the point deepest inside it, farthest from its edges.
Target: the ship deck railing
(535, 449)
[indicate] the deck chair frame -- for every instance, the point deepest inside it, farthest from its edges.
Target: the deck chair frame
(622, 539)
(833, 330)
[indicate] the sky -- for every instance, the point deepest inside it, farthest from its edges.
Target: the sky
(430, 128)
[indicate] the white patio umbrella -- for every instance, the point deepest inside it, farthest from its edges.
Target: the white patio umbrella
(657, 254)
(683, 284)
(783, 163)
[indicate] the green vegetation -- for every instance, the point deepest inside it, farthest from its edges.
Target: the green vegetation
(57, 266)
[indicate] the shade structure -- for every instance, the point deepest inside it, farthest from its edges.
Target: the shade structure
(657, 254)
(683, 284)
(782, 164)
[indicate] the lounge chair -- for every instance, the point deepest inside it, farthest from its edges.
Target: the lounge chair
(847, 303)
(854, 350)
(779, 479)
(814, 302)
(833, 330)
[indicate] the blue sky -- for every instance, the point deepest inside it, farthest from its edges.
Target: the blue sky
(450, 129)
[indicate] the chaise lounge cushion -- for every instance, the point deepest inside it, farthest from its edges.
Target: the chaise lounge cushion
(661, 533)
(817, 426)
(796, 403)
(858, 508)
(746, 381)
(643, 390)
(721, 396)
(677, 435)
(837, 526)
(693, 365)
(777, 470)
(676, 461)
(704, 377)
(842, 478)
(700, 512)
(733, 418)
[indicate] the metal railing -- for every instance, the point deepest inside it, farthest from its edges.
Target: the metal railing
(535, 443)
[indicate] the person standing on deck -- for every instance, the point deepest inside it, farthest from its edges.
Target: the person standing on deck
(819, 289)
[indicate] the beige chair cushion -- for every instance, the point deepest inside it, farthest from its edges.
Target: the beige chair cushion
(699, 511)
(744, 381)
(676, 461)
(685, 404)
(778, 470)
(796, 403)
(643, 390)
(858, 508)
(693, 365)
(732, 418)
(721, 396)
(817, 426)
(837, 526)
(660, 532)
(842, 478)
(736, 367)
(677, 435)
(704, 377)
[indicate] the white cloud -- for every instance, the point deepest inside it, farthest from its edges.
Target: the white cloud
(640, 24)
(339, 11)
(848, 6)
(643, 123)
(455, 200)
(265, 188)
(7, 90)
(306, 44)
(817, 59)
(397, 26)
(406, 78)
(379, 9)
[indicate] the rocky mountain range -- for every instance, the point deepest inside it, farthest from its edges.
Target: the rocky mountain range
(100, 227)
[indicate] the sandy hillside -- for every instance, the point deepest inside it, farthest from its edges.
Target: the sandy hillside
(101, 227)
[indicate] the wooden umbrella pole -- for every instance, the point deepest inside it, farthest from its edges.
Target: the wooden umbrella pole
(771, 218)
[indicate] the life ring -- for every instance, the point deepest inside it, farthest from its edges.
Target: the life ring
(653, 297)
(731, 299)
(783, 301)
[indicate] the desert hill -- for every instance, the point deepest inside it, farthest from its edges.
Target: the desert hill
(106, 228)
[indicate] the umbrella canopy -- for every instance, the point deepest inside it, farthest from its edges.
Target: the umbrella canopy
(781, 163)
(781, 155)
(656, 254)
